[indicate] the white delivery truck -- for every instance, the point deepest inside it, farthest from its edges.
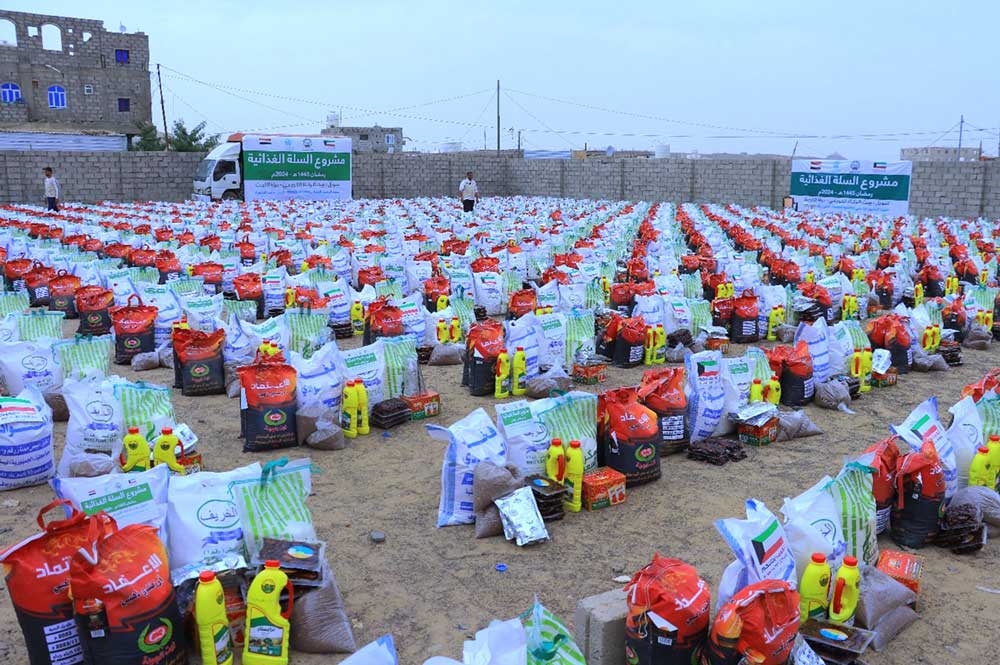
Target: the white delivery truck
(260, 167)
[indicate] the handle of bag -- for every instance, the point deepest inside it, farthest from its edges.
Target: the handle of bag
(128, 302)
(265, 473)
(75, 516)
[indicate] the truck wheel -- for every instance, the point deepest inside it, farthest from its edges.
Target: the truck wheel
(230, 195)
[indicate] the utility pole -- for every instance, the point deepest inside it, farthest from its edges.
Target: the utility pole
(961, 126)
(519, 139)
(163, 110)
(498, 116)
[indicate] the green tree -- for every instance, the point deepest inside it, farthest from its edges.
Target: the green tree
(183, 139)
(149, 139)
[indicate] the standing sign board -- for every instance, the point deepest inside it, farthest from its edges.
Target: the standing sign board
(296, 167)
(854, 187)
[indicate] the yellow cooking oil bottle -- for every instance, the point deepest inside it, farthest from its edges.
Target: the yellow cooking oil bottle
(756, 391)
(773, 391)
(363, 425)
(981, 471)
(163, 450)
(659, 345)
(647, 350)
(814, 589)
(442, 302)
(993, 445)
(555, 461)
(455, 330)
(135, 452)
(442, 332)
(358, 318)
(349, 411)
(212, 622)
(501, 384)
(846, 590)
(267, 626)
(519, 372)
(574, 477)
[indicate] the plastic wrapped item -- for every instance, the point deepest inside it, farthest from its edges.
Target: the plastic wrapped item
(522, 522)
(380, 652)
(892, 625)
(978, 338)
(924, 362)
(554, 379)
(326, 433)
(142, 362)
(880, 595)
(795, 425)
(500, 643)
(490, 482)
(447, 354)
(833, 394)
(984, 498)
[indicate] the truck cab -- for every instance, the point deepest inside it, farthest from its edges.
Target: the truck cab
(219, 175)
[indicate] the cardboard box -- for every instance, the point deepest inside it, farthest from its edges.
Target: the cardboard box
(603, 487)
(191, 463)
(906, 569)
(720, 344)
(758, 435)
(423, 405)
(590, 374)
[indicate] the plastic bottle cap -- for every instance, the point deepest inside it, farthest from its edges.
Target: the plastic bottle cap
(756, 381)
(556, 442)
(574, 444)
(520, 348)
(206, 576)
(984, 450)
(167, 430)
(271, 563)
(850, 561)
(133, 430)
(818, 557)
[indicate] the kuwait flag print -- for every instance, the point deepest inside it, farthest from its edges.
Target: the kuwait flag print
(768, 544)
(880, 165)
(925, 428)
(708, 368)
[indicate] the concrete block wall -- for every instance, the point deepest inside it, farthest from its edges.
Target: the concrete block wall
(959, 189)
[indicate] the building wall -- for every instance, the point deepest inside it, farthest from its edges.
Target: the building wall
(959, 189)
(374, 140)
(939, 154)
(79, 63)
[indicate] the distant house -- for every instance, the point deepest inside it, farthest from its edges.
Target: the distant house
(60, 74)
(941, 154)
(370, 139)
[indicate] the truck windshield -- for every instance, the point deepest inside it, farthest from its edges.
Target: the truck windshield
(204, 169)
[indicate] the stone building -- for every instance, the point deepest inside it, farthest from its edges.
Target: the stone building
(70, 74)
(370, 139)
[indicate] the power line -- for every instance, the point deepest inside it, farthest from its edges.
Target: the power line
(488, 103)
(539, 121)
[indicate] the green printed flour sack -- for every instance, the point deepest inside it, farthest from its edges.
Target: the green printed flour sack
(526, 435)
(26, 455)
(84, 355)
(852, 491)
(273, 504)
(368, 364)
(146, 406)
(570, 417)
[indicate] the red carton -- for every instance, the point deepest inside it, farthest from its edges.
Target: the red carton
(423, 405)
(758, 435)
(904, 568)
(603, 487)
(590, 374)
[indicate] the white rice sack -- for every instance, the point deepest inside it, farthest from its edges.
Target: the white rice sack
(417, 272)
(707, 397)
(736, 379)
(368, 364)
(414, 321)
(31, 364)
(274, 329)
(652, 309)
(490, 292)
(966, 435)
(320, 379)
(923, 423)
(524, 333)
(339, 293)
(9, 330)
(202, 517)
(813, 524)
(815, 335)
(548, 294)
(131, 498)
(168, 308)
(431, 320)
(677, 315)
(573, 294)
(121, 285)
(95, 420)
(26, 455)
(525, 433)
(273, 287)
(202, 311)
(570, 417)
(552, 339)
(760, 544)
(471, 440)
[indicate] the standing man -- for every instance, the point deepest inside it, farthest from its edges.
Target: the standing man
(468, 191)
(51, 190)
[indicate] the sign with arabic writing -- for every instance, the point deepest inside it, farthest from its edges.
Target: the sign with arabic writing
(296, 167)
(851, 186)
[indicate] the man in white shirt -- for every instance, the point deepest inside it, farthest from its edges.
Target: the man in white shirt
(468, 191)
(51, 190)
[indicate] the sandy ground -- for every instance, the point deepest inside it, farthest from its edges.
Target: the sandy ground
(433, 588)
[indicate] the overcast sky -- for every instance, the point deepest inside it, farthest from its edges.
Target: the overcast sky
(737, 76)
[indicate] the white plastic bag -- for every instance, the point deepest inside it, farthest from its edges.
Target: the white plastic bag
(368, 364)
(202, 517)
(552, 339)
(736, 379)
(760, 544)
(380, 652)
(813, 524)
(490, 292)
(923, 423)
(525, 434)
(471, 440)
(500, 643)
(320, 379)
(815, 335)
(31, 364)
(524, 333)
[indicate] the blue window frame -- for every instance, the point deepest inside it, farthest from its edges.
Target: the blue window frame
(121, 56)
(10, 93)
(57, 97)
(124, 105)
